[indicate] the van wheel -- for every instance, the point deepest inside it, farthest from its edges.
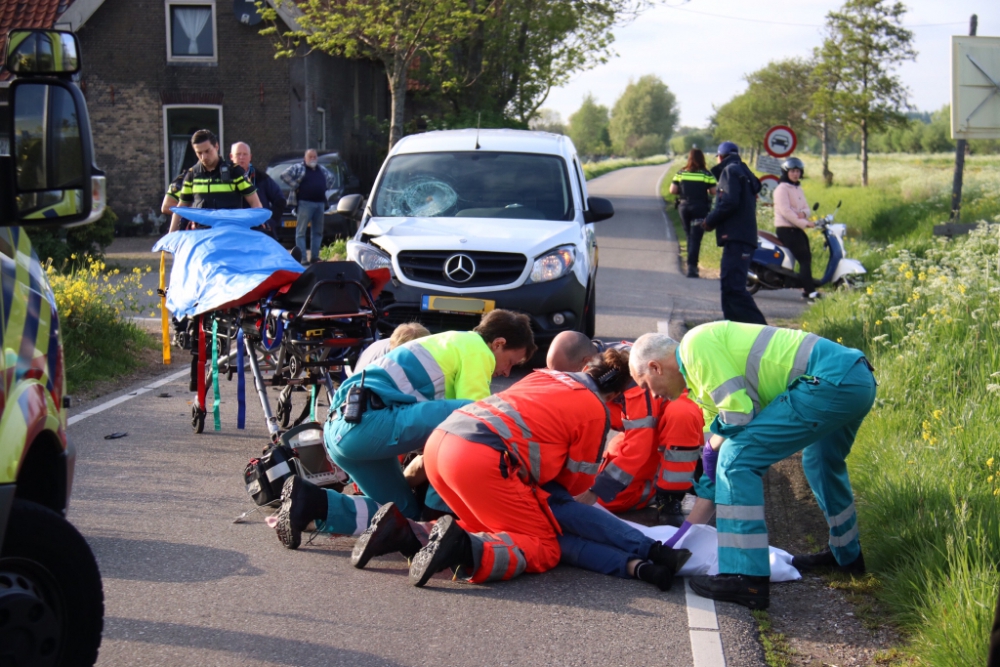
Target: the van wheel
(590, 314)
(51, 598)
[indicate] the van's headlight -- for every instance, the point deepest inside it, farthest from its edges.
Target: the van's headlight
(368, 256)
(553, 264)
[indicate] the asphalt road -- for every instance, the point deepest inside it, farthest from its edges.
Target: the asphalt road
(185, 585)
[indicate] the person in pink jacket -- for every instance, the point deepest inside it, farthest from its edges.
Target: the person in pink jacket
(791, 219)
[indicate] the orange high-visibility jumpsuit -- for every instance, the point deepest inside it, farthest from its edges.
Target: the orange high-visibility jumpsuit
(659, 448)
(488, 460)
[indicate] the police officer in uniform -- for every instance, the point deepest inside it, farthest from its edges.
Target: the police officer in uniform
(734, 220)
(695, 185)
(212, 183)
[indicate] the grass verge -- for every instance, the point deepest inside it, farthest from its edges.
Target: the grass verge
(595, 169)
(926, 463)
(99, 343)
(777, 651)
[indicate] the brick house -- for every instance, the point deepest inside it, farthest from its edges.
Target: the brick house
(154, 71)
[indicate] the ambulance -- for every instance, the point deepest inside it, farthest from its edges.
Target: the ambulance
(51, 596)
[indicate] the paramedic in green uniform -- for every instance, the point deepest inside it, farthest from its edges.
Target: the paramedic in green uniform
(767, 393)
(415, 387)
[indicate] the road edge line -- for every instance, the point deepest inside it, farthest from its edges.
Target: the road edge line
(127, 396)
(703, 627)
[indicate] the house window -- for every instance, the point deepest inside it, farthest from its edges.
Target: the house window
(179, 123)
(191, 36)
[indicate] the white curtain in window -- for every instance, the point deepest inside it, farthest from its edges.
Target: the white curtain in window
(193, 20)
(177, 150)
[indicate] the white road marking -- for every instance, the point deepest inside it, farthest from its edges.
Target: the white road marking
(706, 642)
(127, 397)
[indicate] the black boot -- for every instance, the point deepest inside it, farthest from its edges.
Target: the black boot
(670, 508)
(388, 532)
(692, 271)
(448, 547)
(825, 560)
(672, 558)
(301, 502)
(660, 576)
(752, 592)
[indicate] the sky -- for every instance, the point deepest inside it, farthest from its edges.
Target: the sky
(702, 49)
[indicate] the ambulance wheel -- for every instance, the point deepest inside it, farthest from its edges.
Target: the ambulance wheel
(753, 286)
(51, 597)
(198, 419)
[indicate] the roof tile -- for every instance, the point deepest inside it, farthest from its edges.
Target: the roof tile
(26, 14)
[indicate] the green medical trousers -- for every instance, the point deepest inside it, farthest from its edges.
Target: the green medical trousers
(816, 417)
(369, 451)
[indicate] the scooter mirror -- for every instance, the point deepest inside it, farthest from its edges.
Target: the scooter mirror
(816, 206)
(839, 203)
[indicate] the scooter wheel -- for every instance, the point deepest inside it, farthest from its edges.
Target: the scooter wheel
(198, 419)
(847, 283)
(753, 287)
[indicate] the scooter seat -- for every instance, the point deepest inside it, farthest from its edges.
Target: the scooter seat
(768, 236)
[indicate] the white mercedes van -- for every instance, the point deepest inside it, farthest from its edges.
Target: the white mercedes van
(472, 220)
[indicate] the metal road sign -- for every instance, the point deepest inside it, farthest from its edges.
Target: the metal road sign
(767, 185)
(768, 165)
(780, 141)
(975, 87)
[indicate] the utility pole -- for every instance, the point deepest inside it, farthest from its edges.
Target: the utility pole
(956, 188)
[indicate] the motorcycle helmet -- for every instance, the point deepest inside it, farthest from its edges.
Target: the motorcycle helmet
(792, 163)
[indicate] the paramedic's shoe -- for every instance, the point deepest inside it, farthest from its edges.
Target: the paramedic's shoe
(672, 558)
(448, 547)
(301, 503)
(389, 532)
(824, 560)
(752, 592)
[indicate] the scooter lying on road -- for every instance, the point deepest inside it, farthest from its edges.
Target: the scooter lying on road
(773, 265)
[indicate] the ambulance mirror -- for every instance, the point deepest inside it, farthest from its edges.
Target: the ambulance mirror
(52, 156)
(42, 52)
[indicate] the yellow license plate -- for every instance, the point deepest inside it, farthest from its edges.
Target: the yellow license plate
(289, 223)
(455, 304)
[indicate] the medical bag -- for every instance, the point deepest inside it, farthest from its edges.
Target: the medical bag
(299, 451)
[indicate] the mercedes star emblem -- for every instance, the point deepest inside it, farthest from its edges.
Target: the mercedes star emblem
(459, 268)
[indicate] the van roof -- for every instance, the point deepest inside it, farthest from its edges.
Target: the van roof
(503, 140)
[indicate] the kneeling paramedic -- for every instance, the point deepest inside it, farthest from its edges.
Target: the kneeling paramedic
(489, 460)
(389, 410)
(768, 393)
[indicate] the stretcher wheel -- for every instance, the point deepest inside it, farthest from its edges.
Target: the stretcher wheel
(284, 409)
(198, 418)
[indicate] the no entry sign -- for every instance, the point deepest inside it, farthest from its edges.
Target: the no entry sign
(780, 141)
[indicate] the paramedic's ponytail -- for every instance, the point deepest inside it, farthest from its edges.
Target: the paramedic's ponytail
(610, 371)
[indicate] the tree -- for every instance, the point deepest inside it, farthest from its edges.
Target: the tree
(865, 42)
(518, 53)
(391, 31)
(547, 120)
(644, 117)
(687, 138)
(588, 128)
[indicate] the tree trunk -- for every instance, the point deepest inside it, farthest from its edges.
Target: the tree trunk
(397, 87)
(827, 174)
(864, 153)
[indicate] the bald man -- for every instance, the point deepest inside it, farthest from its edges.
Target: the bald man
(268, 191)
(570, 351)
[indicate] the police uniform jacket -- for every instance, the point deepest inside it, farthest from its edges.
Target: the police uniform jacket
(734, 217)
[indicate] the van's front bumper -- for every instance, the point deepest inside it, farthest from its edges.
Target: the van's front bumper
(542, 302)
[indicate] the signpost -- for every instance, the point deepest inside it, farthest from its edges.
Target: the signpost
(768, 165)
(767, 185)
(780, 141)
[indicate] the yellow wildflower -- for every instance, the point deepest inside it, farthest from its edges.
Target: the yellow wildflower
(870, 289)
(909, 275)
(989, 462)
(990, 479)
(878, 323)
(840, 340)
(961, 288)
(937, 414)
(903, 267)
(996, 491)
(149, 292)
(921, 276)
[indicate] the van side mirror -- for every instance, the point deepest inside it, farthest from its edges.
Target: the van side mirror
(598, 208)
(42, 52)
(50, 172)
(348, 205)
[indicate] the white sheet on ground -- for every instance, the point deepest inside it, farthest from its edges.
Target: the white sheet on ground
(703, 543)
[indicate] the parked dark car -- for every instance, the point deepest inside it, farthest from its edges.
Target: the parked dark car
(335, 225)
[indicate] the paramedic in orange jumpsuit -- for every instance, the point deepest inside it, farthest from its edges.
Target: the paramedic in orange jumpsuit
(656, 453)
(488, 461)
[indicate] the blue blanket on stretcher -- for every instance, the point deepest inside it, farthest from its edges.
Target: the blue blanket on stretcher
(226, 265)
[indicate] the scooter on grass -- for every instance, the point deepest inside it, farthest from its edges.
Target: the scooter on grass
(772, 266)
